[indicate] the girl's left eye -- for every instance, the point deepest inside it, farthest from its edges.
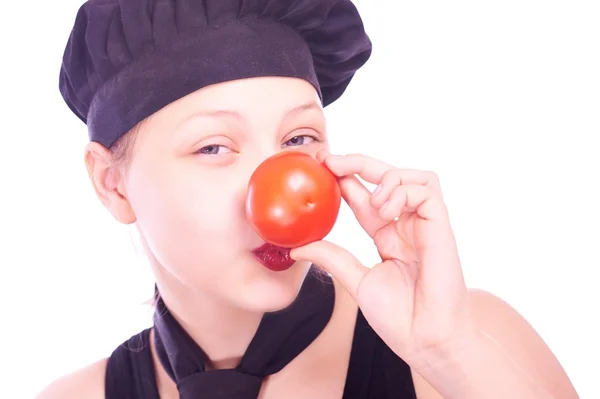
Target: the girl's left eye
(213, 149)
(299, 140)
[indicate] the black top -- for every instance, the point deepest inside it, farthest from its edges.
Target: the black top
(374, 372)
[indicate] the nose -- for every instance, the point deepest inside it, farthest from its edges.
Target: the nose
(258, 157)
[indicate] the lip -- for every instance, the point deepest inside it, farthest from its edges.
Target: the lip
(273, 257)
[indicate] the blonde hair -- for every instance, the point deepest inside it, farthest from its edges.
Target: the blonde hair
(122, 149)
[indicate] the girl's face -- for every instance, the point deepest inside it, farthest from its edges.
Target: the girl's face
(188, 176)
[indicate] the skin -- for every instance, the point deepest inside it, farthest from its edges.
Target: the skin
(186, 198)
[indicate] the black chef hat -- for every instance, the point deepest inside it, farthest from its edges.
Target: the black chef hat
(126, 59)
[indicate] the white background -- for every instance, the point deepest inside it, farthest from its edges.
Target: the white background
(500, 98)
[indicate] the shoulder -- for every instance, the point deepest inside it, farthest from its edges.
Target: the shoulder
(87, 382)
(496, 317)
(519, 339)
(504, 323)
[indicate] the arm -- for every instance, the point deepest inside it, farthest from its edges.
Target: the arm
(510, 360)
(85, 383)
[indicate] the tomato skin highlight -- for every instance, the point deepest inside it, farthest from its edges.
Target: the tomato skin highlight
(292, 200)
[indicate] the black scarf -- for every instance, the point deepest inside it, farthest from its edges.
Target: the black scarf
(280, 337)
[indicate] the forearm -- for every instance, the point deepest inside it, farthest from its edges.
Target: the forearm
(478, 368)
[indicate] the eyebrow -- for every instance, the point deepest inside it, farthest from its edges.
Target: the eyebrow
(313, 105)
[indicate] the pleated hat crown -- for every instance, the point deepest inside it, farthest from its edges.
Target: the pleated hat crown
(126, 59)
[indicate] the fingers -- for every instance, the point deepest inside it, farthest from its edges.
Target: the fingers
(369, 207)
(390, 180)
(358, 198)
(335, 260)
(369, 169)
(422, 200)
(322, 154)
(379, 172)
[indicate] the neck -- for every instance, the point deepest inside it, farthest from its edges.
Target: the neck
(222, 330)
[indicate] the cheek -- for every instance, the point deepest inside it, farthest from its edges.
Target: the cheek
(191, 223)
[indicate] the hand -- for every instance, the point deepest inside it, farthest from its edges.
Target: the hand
(416, 298)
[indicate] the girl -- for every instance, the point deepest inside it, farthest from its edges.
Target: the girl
(183, 99)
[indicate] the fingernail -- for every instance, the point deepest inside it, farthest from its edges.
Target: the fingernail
(322, 154)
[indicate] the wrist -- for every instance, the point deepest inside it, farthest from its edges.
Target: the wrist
(451, 357)
(448, 368)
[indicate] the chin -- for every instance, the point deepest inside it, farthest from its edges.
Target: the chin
(269, 291)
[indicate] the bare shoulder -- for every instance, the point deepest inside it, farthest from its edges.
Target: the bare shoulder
(87, 382)
(519, 340)
(522, 342)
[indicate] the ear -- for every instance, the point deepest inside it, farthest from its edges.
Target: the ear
(109, 182)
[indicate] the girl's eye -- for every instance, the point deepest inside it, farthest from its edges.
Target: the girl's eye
(213, 149)
(300, 140)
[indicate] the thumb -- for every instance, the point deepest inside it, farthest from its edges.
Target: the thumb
(335, 260)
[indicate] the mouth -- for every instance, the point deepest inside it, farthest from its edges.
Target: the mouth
(273, 257)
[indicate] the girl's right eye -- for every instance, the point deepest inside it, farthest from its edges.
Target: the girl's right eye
(213, 149)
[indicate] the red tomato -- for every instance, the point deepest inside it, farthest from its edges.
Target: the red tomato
(292, 200)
